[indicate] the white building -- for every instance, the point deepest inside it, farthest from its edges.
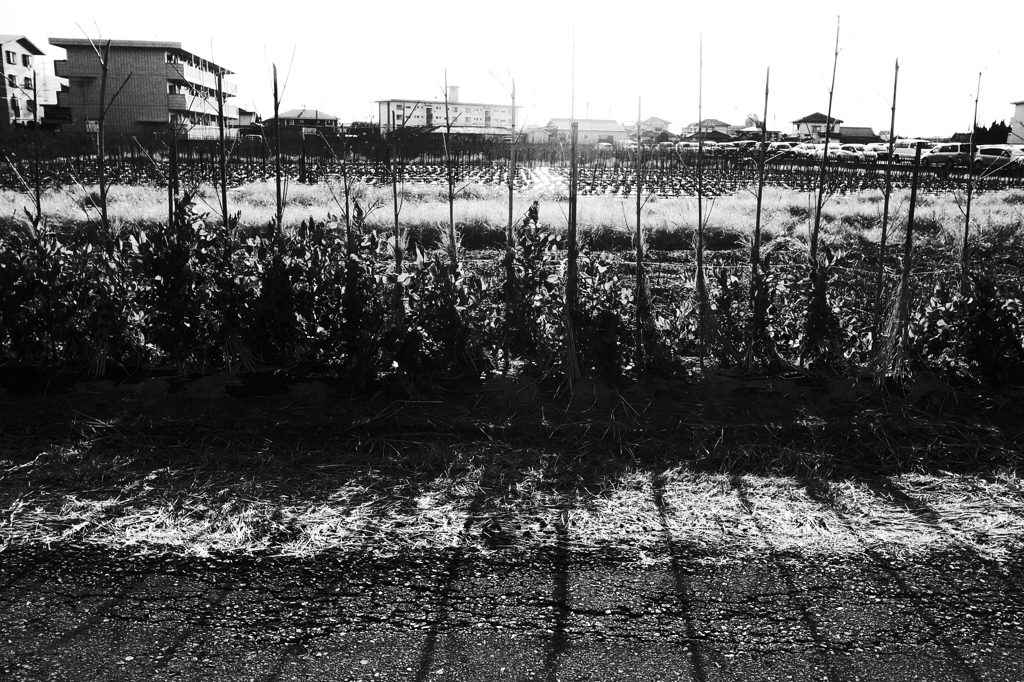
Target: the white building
(1017, 124)
(464, 117)
(590, 130)
(18, 68)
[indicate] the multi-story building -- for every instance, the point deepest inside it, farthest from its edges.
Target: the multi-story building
(464, 117)
(151, 87)
(17, 102)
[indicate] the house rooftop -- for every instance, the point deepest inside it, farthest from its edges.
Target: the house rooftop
(307, 115)
(138, 44)
(25, 42)
(818, 117)
(857, 131)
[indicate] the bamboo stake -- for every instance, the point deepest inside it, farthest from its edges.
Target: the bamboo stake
(701, 285)
(642, 295)
(820, 318)
(223, 149)
(880, 272)
(38, 217)
(965, 252)
(101, 142)
(453, 244)
(897, 335)
(760, 345)
(572, 371)
(399, 242)
(279, 217)
(824, 163)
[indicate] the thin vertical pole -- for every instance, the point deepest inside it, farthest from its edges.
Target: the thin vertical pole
(223, 149)
(277, 155)
(880, 273)
(964, 254)
(642, 307)
(35, 137)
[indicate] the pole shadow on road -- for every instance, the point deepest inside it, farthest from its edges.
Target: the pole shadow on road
(682, 591)
(818, 490)
(795, 592)
(560, 598)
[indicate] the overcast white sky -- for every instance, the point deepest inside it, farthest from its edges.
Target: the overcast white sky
(349, 53)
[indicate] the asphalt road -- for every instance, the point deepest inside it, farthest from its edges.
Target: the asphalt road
(85, 613)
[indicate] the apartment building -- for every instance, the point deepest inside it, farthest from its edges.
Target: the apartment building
(466, 118)
(152, 86)
(17, 102)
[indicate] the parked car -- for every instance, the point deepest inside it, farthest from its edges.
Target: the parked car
(947, 155)
(862, 152)
(999, 157)
(905, 150)
(804, 150)
(778, 150)
(881, 149)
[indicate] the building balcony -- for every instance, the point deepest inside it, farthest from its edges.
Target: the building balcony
(190, 74)
(198, 132)
(60, 68)
(199, 105)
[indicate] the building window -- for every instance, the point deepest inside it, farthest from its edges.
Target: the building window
(26, 60)
(28, 83)
(10, 57)
(15, 107)
(31, 106)
(12, 81)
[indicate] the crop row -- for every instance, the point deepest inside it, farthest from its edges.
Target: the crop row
(197, 296)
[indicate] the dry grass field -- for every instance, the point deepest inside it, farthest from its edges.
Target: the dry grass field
(480, 210)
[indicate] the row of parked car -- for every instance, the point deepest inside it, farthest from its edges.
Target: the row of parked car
(934, 155)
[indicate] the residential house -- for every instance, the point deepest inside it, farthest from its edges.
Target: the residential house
(1017, 125)
(814, 125)
(465, 118)
(296, 122)
(589, 131)
(17, 102)
(708, 124)
(151, 87)
(652, 129)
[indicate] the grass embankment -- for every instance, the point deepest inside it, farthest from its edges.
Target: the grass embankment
(606, 222)
(503, 467)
